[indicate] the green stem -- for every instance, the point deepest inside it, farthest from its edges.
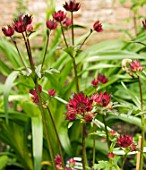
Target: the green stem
(142, 125)
(106, 131)
(63, 35)
(45, 124)
(19, 53)
(72, 28)
(123, 163)
(57, 136)
(93, 147)
(46, 47)
(84, 158)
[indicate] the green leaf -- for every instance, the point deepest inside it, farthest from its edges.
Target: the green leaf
(3, 162)
(8, 85)
(37, 140)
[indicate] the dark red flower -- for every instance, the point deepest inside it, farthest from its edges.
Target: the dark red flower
(144, 24)
(88, 117)
(80, 103)
(72, 6)
(71, 115)
(102, 99)
(94, 82)
(52, 92)
(59, 167)
(136, 66)
(67, 22)
(34, 94)
(97, 26)
(9, 31)
(125, 141)
(29, 27)
(21, 23)
(101, 78)
(133, 147)
(59, 16)
(58, 159)
(110, 155)
(51, 24)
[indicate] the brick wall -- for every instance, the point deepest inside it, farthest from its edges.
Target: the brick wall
(107, 11)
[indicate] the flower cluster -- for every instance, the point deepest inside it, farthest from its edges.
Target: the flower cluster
(58, 162)
(100, 79)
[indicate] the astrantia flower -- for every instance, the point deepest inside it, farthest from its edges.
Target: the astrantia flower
(94, 82)
(51, 24)
(58, 159)
(144, 24)
(125, 141)
(67, 22)
(102, 99)
(113, 133)
(21, 23)
(8, 31)
(101, 78)
(97, 26)
(29, 28)
(71, 162)
(136, 66)
(34, 94)
(70, 115)
(72, 6)
(88, 117)
(52, 92)
(110, 155)
(59, 16)
(80, 103)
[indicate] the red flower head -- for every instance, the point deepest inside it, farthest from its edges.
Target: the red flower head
(34, 94)
(51, 24)
(52, 92)
(102, 99)
(71, 162)
(101, 78)
(70, 115)
(94, 82)
(97, 26)
(29, 28)
(113, 133)
(133, 147)
(144, 24)
(59, 167)
(21, 23)
(80, 103)
(58, 159)
(88, 117)
(59, 16)
(67, 22)
(125, 141)
(110, 155)
(72, 6)
(136, 66)
(9, 31)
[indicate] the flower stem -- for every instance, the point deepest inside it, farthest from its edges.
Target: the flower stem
(63, 35)
(57, 136)
(106, 131)
(84, 158)
(142, 125)
(72, 28)
(123, 163)
(93, 162)
(46, 47)
(19, 53)
(45, 124)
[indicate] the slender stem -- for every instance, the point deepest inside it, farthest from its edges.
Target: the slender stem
(106, 131)
(19, 53)
(57, 136)
(93, 146)
(85, 39)
(123, 163)
(63, 35)
(142, 125)
(84, 147)
(46, 47)
(45, 124)
(29, 53)
(76, 76)
(72, 28)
